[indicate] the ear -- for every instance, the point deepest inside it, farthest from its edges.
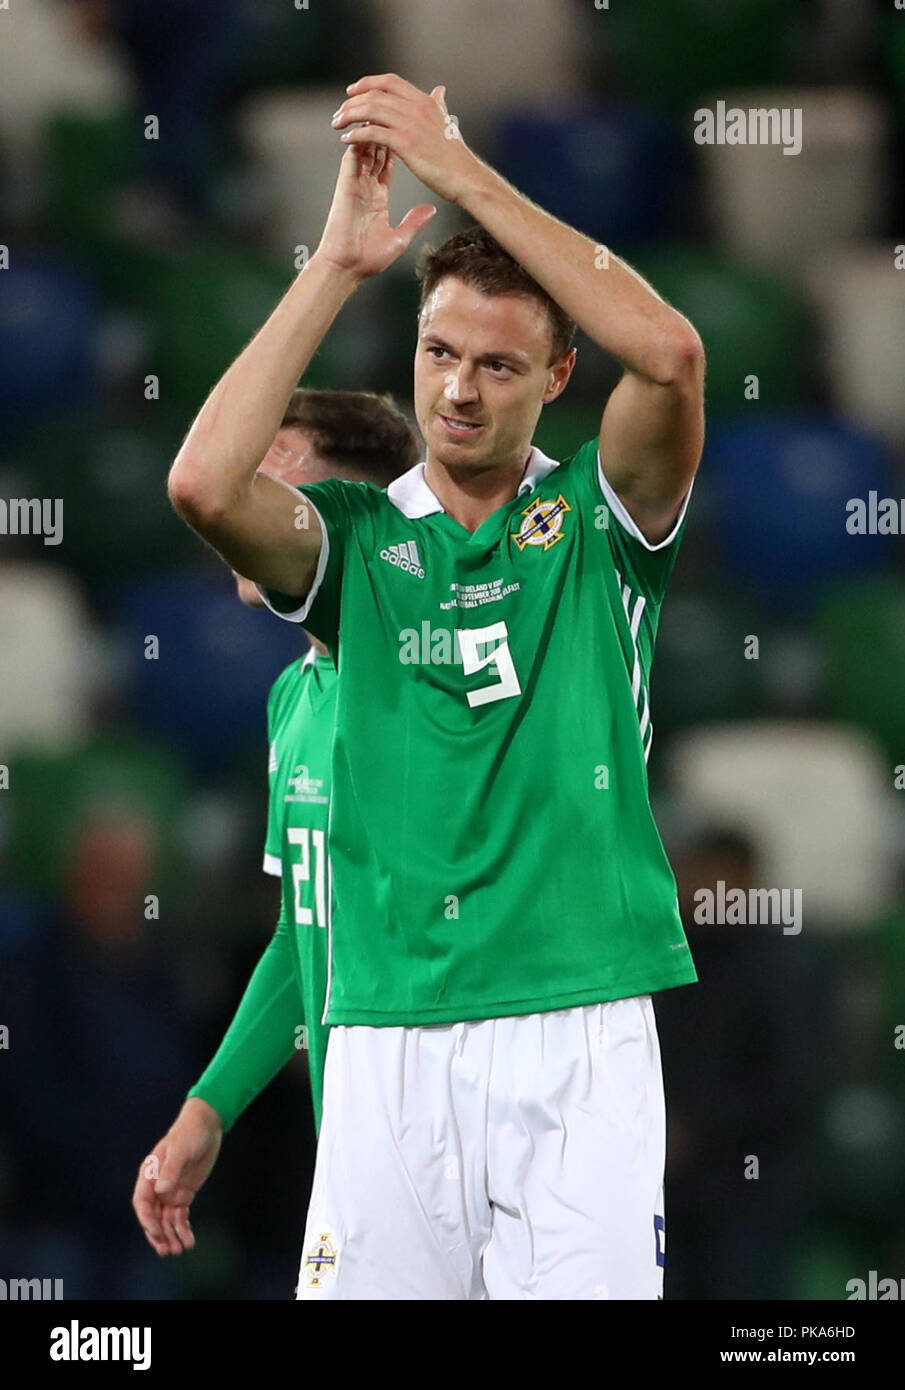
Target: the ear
(560, 371)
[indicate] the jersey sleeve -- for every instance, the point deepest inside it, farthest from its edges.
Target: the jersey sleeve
(261, 1037)
(644, 566)
(319, 611)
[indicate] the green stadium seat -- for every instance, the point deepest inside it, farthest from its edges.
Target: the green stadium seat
(672, 52)
(700, 672)
(57, 791)
(111, 475)
(562, 428)
(750, 323)
(204, 304)
(860, 627)
(86, 156)
(825, 1261)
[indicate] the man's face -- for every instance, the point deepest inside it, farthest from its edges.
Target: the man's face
(482, 375)
(293, 458)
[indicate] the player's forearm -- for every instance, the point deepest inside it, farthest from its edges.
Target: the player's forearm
(260, 1039)
(240, 418)
(613, 305)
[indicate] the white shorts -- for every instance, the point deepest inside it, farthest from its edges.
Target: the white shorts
(505, 1159)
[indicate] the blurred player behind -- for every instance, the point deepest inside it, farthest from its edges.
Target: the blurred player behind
(358, 437)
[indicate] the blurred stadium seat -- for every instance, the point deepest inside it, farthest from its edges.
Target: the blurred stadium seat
(59, 790)
(750, 323)
(85, 156)
(112, 477)
(673, 52)
(562, 430)
(860, 294)
(49, 657)
(49, 323)
(203, 304)
(817, 799)
(701, 673)
(206, 692)
(47, 64)
(289, 136)
(860, 629)
(610, 170)
(782, 211)
(781, 484)
(506, 48)
(295, 45)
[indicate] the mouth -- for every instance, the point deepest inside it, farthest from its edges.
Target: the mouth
(461, 429)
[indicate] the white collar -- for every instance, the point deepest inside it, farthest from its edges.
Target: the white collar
(413, 497)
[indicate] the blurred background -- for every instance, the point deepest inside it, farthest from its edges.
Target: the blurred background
(165, 167)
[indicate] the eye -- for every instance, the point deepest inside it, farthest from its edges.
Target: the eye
(438, 352)
(498, 367)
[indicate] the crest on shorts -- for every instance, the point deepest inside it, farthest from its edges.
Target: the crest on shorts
(320, 1260)
(542, 523)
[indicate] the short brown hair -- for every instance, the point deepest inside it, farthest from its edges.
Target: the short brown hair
(478, 259)
(356, 430)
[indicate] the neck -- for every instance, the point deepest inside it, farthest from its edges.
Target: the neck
(318, 646)
(470, 497)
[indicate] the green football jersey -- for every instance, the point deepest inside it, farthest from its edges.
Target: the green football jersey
(301, 711)
(492, 843)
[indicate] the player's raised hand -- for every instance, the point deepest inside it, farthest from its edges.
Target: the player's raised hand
(357, 234)
(414, 125)
(171, 1175)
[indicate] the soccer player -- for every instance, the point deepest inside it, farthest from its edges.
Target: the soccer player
(356, 436)
(502, 907)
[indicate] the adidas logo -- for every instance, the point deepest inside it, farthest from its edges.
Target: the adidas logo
(405, 556)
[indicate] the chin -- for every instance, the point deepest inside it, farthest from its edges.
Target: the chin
(468, 451)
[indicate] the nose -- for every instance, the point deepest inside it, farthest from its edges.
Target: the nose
(459, 386)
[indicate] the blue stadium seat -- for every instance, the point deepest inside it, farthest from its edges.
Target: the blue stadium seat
(207, 689)
(609, 169)
(49, 319)
(781, 485)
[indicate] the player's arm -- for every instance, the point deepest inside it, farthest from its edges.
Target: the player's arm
(261, 1037)
(173, 1173)
(652, 429)
(258, 524)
